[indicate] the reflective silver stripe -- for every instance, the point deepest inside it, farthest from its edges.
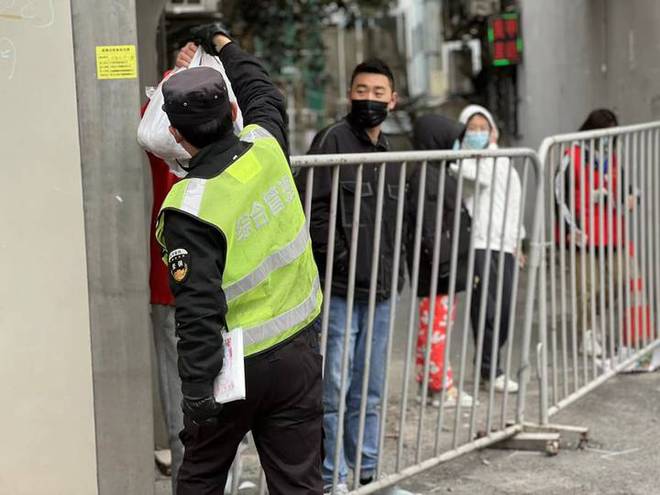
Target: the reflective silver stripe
(253, 134)
(295, 316)
(192, 198)
(277, 260)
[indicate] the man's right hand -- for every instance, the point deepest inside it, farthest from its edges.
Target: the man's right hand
(186, 55)
(201, 409)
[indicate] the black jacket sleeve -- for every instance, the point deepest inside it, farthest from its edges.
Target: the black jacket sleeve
(198, 251)
(323, 143)
(259, 99)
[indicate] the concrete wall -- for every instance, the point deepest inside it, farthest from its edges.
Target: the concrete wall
(561, 77)
(47, 416)
(583, 54)
(633, 65)
(116, 227)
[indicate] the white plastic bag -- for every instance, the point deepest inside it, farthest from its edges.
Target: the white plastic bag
(154, 133)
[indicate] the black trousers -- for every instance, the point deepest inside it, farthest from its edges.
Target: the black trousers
(284, 411)
(480, 270)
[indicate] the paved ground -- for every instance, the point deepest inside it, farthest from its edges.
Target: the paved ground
(622, 457)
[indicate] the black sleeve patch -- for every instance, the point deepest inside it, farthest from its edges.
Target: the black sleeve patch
(179, 265)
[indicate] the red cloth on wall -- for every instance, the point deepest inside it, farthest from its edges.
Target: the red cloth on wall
(162, 181)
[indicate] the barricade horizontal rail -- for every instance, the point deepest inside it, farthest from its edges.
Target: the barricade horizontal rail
(602, 257)
(446, 227)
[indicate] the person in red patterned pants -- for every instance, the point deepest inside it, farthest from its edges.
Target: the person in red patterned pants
(443, 315)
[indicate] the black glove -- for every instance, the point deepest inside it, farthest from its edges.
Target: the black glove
(203, 35)
(201, 409)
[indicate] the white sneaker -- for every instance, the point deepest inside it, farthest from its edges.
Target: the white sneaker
(164, 461)
(340, 489)
(591, 346)
(452, 399)
(501, 385)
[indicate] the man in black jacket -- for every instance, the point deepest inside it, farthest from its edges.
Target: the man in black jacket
(372, 95)
(205, 249)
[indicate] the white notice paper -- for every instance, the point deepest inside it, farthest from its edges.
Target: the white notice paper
(229, 385)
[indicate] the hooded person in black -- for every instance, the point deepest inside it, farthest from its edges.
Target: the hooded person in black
(435, 132)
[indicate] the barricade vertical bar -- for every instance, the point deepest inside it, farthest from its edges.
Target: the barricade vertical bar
(592, 258)
(628, 247)
(650, 234)
(411, 314)
(574, 271)
(644, 285)
(309, 191)
(330, 257)
(440, 194)
(394, 291)
(484, 283)
(537, 256)
(543, 333)
(636, 321)
(373, 285)
(495, 349)
(611, 202)
(262, 482)
(602, 288)
(514, 291)
(451, 297)
(650, 227)
(621, 246)
(236, 474)
(640, 283)
(552, 197)
(468, 303)
(562, 285)
(656, 215)
(584, 243)
(349, 318)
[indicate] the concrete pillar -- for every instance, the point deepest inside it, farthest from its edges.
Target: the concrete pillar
(116, 226)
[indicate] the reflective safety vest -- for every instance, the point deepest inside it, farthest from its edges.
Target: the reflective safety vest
(270, 281)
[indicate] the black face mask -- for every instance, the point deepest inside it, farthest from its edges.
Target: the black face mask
(368, 113)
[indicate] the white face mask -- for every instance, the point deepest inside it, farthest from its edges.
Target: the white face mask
(476, 140)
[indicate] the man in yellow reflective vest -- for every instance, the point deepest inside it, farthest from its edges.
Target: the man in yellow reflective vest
(239, 255)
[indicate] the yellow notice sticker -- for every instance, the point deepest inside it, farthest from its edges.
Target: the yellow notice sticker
(116, 62)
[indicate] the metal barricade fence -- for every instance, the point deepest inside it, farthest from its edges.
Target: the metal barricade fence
(373, 405)
(602, 256)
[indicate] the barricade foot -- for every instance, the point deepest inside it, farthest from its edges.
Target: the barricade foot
(542, 441)
(577, 436)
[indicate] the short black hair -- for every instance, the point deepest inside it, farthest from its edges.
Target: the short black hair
(601, 118)
(373, 66)
(201, 135)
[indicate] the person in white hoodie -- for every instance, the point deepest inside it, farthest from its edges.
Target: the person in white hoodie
(492, 196)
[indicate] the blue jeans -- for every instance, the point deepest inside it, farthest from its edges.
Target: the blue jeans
(332, 386)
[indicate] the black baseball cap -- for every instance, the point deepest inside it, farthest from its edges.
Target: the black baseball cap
(195, 96)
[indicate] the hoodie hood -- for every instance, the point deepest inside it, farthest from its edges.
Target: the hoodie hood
(471, 110)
